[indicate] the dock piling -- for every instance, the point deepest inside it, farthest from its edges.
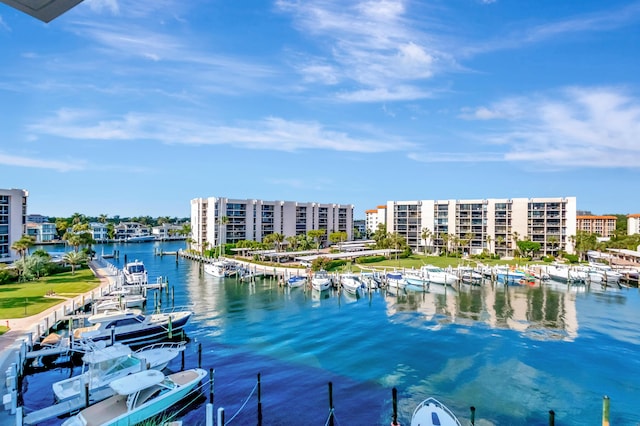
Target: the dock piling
(605, 410)
(473, 415)
(552, 418)
(394, 399)
(259, 402)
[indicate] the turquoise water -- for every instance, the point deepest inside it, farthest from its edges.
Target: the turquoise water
(512, 352)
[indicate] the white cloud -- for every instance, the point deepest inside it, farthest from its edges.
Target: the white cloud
(36, 163)
(271, 133)
(575, 127)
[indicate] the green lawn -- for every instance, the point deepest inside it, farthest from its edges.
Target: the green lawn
(19, 300)
(417, 260)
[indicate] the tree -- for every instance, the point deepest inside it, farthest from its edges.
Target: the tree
(22, 245)
(74, 259)
(585, 241)
(553, 242)
(74, 240)
(528, 248)
(102, 218)
(338, 238)
(317, 235)
(426, 236)
(488, 239)
(293, 242)
(500, 242)
(468, 238)
(515, 236)
(380, 235)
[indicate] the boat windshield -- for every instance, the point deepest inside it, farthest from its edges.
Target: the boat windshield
(136, 269)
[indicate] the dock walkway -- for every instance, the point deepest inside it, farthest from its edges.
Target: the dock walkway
(23, 329)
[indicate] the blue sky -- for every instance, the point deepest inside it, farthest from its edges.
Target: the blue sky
(135, 107)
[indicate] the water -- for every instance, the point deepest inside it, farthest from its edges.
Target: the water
(514, 353)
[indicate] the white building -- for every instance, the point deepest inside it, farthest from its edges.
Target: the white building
(375, 216)
(253, 220)
(491, 224)
(633, 224)
(13, 220)
(42, 232)
(99, 232)
(167, 231)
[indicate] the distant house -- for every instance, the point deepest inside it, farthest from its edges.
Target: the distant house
(42, 232)
(99, 232)
(168, 231)
(633, 224)
(126, 230)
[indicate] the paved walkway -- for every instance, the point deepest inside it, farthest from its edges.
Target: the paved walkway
(11, 341)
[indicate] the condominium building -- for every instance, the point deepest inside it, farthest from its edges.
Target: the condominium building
(493, 225)
(633, 224)
(13, 221)
(604, 226)
(217, 220)
(375, 216)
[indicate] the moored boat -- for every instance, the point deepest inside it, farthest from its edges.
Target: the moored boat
(139, 397)
(135, 273)
(297, 281)
(320, 280)
(431, 412)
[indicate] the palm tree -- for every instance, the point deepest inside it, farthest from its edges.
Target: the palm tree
(500, 241)
(102, 218)
(487, 238)
(278, 239)
(516, 237)
(293, 242)
(317, 235)
(553, 242)
(426, 236)
(468, 237)
(22, 245)
(74, 258)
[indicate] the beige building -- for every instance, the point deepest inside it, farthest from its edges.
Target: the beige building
(633, 224)
(604, 226)
(13, 221)
(253, 220)
(491, 224)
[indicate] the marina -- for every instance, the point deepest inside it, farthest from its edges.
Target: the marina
(512, 352)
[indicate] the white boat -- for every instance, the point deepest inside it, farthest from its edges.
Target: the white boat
(105, 364)
(220, 268)
(296, 281)
(396, 280)
(320, 280)
(140, 238)
(416, 281)
(431, 412)
(437, 275)
(350, 282)
(131, 326)
(469, 275)
(120, 299)
(139, 397)
(566, 274)
(135, 273)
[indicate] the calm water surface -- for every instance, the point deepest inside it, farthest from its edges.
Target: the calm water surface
(512, 352)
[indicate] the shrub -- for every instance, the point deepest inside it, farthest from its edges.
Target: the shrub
(370, 259)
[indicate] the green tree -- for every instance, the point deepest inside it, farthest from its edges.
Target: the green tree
(74, 259)
(317, 235)
(22, 245)
(338, 238)
(426, 236)
(528, 248)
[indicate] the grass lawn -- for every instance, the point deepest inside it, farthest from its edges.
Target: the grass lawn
(19, 300)
(417, 260)
(3, 329)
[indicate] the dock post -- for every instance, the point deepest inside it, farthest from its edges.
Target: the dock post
(113, 335)
(331, 404)
(259, 402)
(209, 415)
(182, 362)
(220, 416)
(605, 411)
(19, 416)
(210, 386)
(394, 399)
(552, 418)
(199, 355)
(85, 393)
(473, 415)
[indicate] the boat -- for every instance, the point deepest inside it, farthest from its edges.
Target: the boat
(297, 281)
(220, 268)
(142, 238)
(565, 274)
(139, 397)
(135, 273)
(107, 363)
(415, 280)
(131, 326)
(431, 412)
(508, 275)
(320, 280)
(396, 280)
(350, 282)
(120, 299)
(437, 275)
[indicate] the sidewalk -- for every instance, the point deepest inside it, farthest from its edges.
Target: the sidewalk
(11, 341)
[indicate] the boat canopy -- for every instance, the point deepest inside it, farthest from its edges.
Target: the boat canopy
(107, 353)
(136, 382)
(394, 276)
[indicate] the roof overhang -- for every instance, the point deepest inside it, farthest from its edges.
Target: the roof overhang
(44, 10)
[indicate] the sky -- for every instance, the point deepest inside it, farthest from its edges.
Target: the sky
(133, 108)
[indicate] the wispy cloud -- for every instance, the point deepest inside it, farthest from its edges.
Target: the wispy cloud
(575, 127)
(271, 133)
(35, 163)
(372, 45)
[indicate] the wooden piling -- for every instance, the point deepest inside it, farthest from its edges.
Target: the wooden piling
(259, 402)
(605, 410)
(331, 421)
(552, 418)
(473, 415)
(394, 399)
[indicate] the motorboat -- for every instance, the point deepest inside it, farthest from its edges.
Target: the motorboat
(566, 274)
(508, 275)
(135, 273)
(141, 238)
(297, 281)
(350, 282)
(469, 275)
(138, 397)
(437, 275)
(131, 326)
(107, 363)
(415, 280)
(320, 280)
(431, 412)
(220, 268)
(120, 299)
(396, 280)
